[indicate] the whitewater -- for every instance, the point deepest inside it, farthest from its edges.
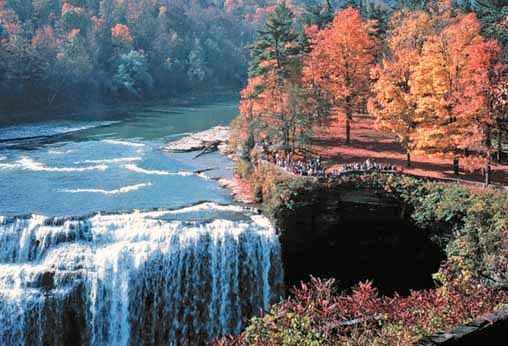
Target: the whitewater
(106, 240)
(134, 278)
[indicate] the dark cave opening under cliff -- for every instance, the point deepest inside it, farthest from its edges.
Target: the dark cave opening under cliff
(358, 242)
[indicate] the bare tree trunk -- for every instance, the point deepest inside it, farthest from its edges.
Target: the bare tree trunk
(488, 154)
(348, 130)
(456, 166)
(499, 145)
(487, 172)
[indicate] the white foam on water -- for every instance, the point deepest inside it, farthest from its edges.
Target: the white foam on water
(3, 158)
(137, 169)
(123, 189)
(59, 152)
(125, 143)
(133, 278)
(181, 134)
(28, 164)
(49, 129)
(207, 206)
(114, 160)
(4, 166)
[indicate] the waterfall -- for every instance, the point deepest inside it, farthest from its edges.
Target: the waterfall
(138, 278)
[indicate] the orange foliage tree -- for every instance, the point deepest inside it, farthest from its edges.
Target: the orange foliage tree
(275, 107)
(448, 86)
(484, 76)
(340, 61)
(121, 35)
(393, 103)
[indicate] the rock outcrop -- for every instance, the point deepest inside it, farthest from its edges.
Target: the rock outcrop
(215, 138)
(354, 234)
(488, 330)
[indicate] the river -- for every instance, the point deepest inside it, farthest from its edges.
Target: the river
(107, 240)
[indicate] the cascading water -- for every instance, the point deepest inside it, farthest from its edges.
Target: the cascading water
(140, 278)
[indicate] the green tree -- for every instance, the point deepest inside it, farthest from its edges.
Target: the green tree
(132, 74)
(276, 100)
(197, 70)
(319, 14)
(275, 48)
(493, 15)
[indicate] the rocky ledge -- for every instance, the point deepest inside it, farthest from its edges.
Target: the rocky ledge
(239, 190)
(210, 140)
(486, 330)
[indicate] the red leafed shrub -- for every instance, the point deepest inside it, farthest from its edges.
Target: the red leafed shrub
(317, 315)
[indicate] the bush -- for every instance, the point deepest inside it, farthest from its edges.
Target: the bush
(472, 225)
(317, 315)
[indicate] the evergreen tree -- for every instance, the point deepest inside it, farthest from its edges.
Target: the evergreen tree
(319, 14)
(276, 107)
(493, 15)
(275, 48)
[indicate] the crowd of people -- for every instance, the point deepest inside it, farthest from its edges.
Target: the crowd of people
(313, 167)
(366, 166)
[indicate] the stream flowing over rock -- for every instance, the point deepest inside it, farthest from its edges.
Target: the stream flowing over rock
(137, 278)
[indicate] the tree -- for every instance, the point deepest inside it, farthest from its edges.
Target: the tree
(340, 63)
(479, 100)
(493, 16)
(275, 48)
(499, 97)
(318, 14)
(441, 84)
(394, 103)
(272, 95)
(132, 74)
(197, 70)
(74, 17)
(121, 35)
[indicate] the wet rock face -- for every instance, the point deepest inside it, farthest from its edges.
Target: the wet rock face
(354, 235)
(64, 322)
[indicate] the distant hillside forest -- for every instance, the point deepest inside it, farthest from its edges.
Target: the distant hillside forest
(55, 52)
(77, 52)
(73, 53)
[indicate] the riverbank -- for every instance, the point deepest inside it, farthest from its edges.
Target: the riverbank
(95, 110)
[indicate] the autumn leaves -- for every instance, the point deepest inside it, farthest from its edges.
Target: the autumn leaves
(432, 80)
(339, 63)
(434, 83)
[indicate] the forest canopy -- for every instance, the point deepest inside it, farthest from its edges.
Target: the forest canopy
(55, 52)
(432, 73)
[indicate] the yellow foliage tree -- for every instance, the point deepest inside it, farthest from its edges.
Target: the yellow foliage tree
(393, 102)
(439, 83)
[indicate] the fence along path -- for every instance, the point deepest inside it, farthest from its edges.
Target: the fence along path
(457, 181)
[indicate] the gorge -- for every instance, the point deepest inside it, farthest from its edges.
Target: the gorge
(355, 234)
